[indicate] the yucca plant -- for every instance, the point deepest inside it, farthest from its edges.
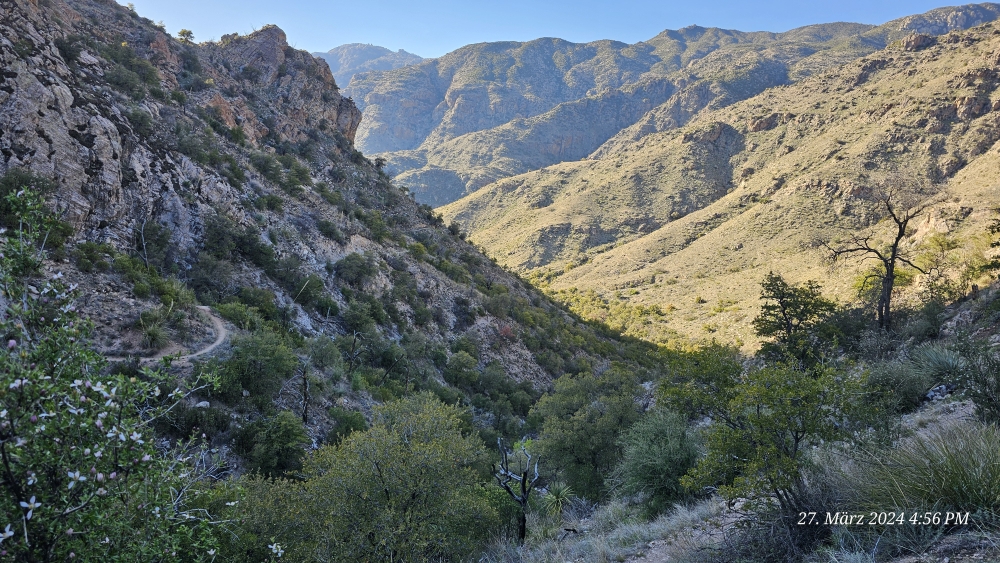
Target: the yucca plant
(558, 497)
(938, 363)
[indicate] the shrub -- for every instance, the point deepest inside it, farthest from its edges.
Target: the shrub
(461, 370)
(979, 379)
(273, 447)
(330, 231)
(955, 468)
(897, 386)
(355, 269)
(345, 422)
(581, 420)
(656, 452)
(259, 363)
(413, 466)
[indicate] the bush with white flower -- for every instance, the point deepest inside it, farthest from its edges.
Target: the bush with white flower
(80, 476)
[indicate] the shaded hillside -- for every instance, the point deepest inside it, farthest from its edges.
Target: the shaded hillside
(347, 60)
(685, 223)
(451, 125)
(225, 174)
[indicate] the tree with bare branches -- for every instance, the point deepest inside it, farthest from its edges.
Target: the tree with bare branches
(902, 208)
(518, 482)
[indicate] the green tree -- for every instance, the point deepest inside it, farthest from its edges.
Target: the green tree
(793, 316)
(763, 422)
(259, 364)
(580, 423)
(656, 452)
(403, 490)
(185, 35)
(275, 446)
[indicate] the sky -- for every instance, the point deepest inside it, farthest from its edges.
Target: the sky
(431, 28)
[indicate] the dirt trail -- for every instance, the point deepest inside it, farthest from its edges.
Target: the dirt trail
(221, 333)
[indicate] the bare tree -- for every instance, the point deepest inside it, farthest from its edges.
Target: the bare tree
(519, 478)
(901, 207)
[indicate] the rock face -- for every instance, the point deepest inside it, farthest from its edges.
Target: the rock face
(59, 119)
(347, 60)
(493, 110)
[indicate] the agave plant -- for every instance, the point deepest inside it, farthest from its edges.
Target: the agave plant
(938, 362)
(557, 498)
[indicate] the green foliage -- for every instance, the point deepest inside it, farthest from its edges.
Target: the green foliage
(764, 422)
(142, 122)
(130, 74)
(211, 279)
(461, 370)
(345, 422)
(356, 269)
(896, 386)
(581, 420)
(259, 363)
(273, 447)
(978, 376)
(404, 490)
(78, 450)
(656, 452)
(794, 317)
(955, 468)
(330, 231)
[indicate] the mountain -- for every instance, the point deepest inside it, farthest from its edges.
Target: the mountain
(347, 60)
(674, 231)
(449, 126)
(224, 174)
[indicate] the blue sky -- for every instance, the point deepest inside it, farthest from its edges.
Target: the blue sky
(432, 28)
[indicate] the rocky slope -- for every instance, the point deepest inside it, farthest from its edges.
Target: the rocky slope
(690, 220)
(449, 126)
(228, 170)
(347, 60)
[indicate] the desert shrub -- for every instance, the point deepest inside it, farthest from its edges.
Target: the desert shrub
(241, 315)
(581, 420)
(461, 370)
(656, 452)
(330, 231)
(358, 317)
(185, 421)
(414, 465)
(897, 386)
(938, 364)
(979, 378)
(211, 279)
(355, 268)
(345, 422)
(142, 122)
(765, 421)
(954, 468)
(326, 356)
(273, 447)
(259, 363)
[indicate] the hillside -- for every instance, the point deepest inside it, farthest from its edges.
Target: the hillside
(347, 60)
(688, 221)
(449, 126)
(224, 174)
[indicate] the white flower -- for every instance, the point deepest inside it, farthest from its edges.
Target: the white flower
(3, 413)
(20, 442)
(136, 437)
(31, 478)
(276, 548)
(233, 503)
(210, 552)
(98, 454)
(31, 505)
(75, 477)
(76, 383)
(6, 534)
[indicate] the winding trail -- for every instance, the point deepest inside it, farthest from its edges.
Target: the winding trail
(221, 334)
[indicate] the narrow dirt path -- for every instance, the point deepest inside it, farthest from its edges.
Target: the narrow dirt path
(221, 334)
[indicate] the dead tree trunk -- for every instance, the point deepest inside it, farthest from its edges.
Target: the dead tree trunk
(521, 482)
